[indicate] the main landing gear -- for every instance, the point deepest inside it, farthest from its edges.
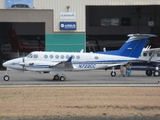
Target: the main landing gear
(154, 73)
(58, 77)
(113, 73)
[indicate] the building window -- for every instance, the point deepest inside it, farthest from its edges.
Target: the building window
(126, 21)
(110, 22)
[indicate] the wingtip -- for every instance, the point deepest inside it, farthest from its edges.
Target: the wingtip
(70, 59)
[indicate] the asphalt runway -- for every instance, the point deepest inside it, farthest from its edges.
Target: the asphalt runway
(83, 78)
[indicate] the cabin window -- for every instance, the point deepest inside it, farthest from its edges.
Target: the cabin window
(96, 57)
(35, 56)
(51, 56)
(150, 54)
(78, 57)
(158, 54)
(145, 54)
(73, 57)
(62, 56)
(45, 56)
(57, 56)
(67, 56)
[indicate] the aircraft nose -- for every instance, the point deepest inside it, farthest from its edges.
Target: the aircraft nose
(4, 64)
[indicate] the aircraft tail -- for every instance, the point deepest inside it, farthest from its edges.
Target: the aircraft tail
(16, 44)
(132, 47)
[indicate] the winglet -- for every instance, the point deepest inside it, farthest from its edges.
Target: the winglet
(69, 59)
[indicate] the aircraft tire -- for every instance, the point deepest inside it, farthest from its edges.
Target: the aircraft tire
(6, 78)
(113, 73)
(56, 77)
(149, 72)
(62, 78)
(156, 73)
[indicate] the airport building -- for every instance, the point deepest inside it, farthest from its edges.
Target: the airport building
(72, 25)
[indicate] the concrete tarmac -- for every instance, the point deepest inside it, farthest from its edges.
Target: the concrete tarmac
(80, 78)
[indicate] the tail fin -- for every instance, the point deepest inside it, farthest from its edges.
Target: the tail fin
(16, 44)
(132, 47)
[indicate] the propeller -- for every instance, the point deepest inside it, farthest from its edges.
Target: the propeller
(23, 63)
(23, 59)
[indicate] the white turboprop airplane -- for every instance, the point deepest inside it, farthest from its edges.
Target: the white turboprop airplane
(148, 61)
(71, 61)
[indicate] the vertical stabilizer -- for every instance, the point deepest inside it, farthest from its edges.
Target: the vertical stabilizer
(16, 44)
(132, 47)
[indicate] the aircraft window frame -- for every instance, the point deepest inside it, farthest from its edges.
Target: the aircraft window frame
(35, 55)
(57, 56)
(62, 56)
(96, 57)
(145, 54)
(51, 56)
(78, 57)
(45, 56)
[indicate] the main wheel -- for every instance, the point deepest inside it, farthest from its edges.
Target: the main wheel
(62, 78)
(6, 78)
(56, 77)
(156, 73)
(149, 72)
(113, 73)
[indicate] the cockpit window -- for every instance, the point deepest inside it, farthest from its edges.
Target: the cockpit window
(29, 56)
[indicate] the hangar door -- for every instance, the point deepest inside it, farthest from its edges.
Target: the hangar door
(29, 25)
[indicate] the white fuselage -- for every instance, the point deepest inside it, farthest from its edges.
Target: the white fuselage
(53, 61)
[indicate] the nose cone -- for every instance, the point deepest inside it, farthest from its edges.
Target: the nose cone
(4, 64)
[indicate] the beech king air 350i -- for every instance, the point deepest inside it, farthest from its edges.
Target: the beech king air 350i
(58, 62)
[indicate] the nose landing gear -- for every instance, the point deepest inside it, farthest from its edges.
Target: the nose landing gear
(6, 78)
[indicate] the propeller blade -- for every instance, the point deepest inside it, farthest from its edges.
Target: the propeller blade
(24, 64)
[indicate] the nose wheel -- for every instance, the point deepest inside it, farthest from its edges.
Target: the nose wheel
(6, 78)
(113, 73)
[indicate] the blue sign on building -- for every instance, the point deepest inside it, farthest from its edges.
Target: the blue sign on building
(67, 25)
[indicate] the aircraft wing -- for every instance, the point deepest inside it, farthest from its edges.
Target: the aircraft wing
(63, 64)
(117, 64)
